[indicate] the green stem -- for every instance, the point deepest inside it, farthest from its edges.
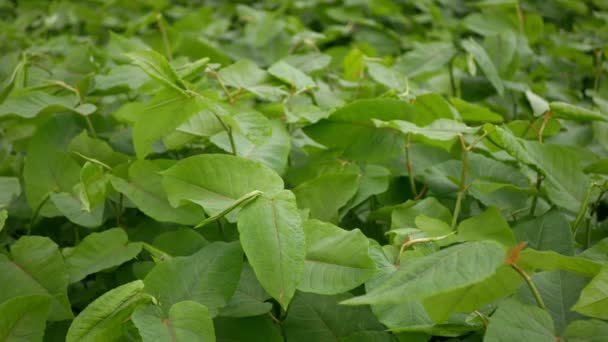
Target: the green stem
(520, 17)
(163, 33)
(598, 69)
(228, 130)
(245, 198)
(155, 252)
(409, 243)
(451, 74)
(484, 319)
(408, 165)
(582, 210)
(462, 187)
(533, 288)
(539, 180)
(37, 212)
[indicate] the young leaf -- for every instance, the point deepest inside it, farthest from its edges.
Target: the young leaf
(157, 67)
(489, 225)
(291, 75)
(102, 319)
(31, 104)
(567, 111)
(485, 63)
(551, 261)
(273, 240)
(100, 251)
(441, 129)
(186, 321)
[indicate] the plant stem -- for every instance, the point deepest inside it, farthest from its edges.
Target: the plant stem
(245, 198)
(520, 17)
(228, 130)
(533, 288)
(452, 80)
(155, 252)
(582, 210)
(484, 319)
(119, 210)
(539, 180)
(598, 56)
(408, 165)
(543, 125)
(163, 32)
(462, 187)
(37, 212)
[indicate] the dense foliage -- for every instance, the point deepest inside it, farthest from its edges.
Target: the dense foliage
(357, 170)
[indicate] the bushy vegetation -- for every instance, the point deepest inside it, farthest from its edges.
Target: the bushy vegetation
(357, 170)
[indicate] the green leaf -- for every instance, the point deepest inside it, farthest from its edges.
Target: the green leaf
(388, 77)
(157, 67)
(426, 58)
(485, 63)
(92, 187)
(271, 234)
(514, 321)
(242, 74)
(474, 113)
(180, 242)
(161, 116)
(100, 251)
(504, 282)
(489, 225)
(551, 261)
(248, 329)
(144, 188)
(350, 129)
(291, 75)
(216, 181)
(101, 320)
(433, 274)
(71, 207)
(550, 231)
(96, 149)
(9, 189)
(31, 104)
(592, 330)
(559, 291)
(404, 215)
(599, 167)
(337, 260)
(187, 321)
(567, 111)
(441, 129)
(374, 181)
(250, 298)
(208, 277)
(325, 195)
(24, 318)
(320, 318)
(36, 268)
(594, 299)
(3, 217)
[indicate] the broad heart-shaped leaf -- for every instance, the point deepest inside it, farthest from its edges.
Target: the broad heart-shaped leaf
(567, 111)
(102, 319)
(216, 181)
(187, 321)
(551, 261)
(144, 188)
(271, 234)
(157, 67)
(161, 116)
(242, 74)
(48, 167)
(208, 277)
(24, 318)
(559, 291)
(489, 225)
(447, 270)
(592, 330)
(250, 329)
(325, 195)
(36, 268)
(504, 282)
(320, 318)
(337, 260)
(9, 188)
(100, 251)
(485, 63)
(351, 130)
(249, 298)
(514, 321)
(594, 297)
(550, 231)
(30, 104)
(441, 129)
(291, 75)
